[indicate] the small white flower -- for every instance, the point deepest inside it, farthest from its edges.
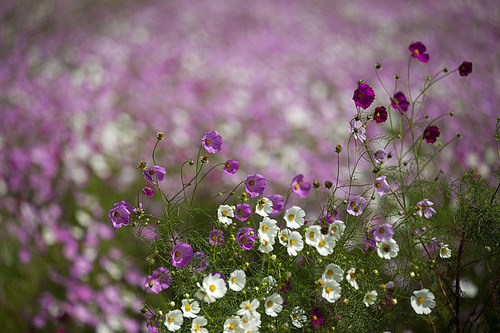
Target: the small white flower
(174, 320)
(248, 308)
(312, 235)
(298, 317)
(325, 245)
(295, 243)
(237, 280)
(224, 213)
(268, 229)
(387, 249)
(266, 246)
(445, 252)
(294, 217)
(214, 286)
(333, 272)
(264, 207)
(423, 301)
(270, 282)
(202, 295)
(336, 229)
(231, 325)
(370, 298)
(197, 325)
(250, 326)
(357, 130)
(351, 278)
(283, 236)
(190, 308)
(273, 305)
(331, 290)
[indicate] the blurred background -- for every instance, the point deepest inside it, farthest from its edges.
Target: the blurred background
(86, 85)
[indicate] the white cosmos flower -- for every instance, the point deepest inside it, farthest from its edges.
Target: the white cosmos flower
(445, 252)
(270, 282)
(370, 298)
(174, 320)
(248, 308)
(273, 305)
(268, 228)
(298, 317)
(312, 235)
(423, 301)
(325, 245)
(387, 249)
(231, 325)
(283, 236)
(190, 308)
(295, 243)
(237, 280)
(249, 326)
(224, 213)
(264, 207)
(336, 229)
(333, 272)
(202, 295)
(331, 290)
(266, 246)
(214, 286)
(294, 217)
(351, 278)
(197, 325)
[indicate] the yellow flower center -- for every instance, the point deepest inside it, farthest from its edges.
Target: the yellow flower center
(377, 184)
(292, 242)
(187, 307)
(291, 217)
(353, 275)
(251, 182)
(269, 304)
(420, 300)
(265, 228)
(328, 290)
(321, 243)
(296, 186)
(360, 95)
(212, 287)
(353, 204)
(381, 230)
(116, 214)
(197, 327)
(247, 306)
(224, 213)
(427, 133)
(377, 154)
(170, 319)
(151, 172)
(415, 51)
(382, 286)
(232, 326)
(321, 282)
(315, 317)
(177, 254)
(228, 165)
(207, 142)
(368, 297)
(377, 115)
(311, 234)
(233, 280)
(329, 273)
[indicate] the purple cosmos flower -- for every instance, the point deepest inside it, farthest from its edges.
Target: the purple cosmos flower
(300, 187)
(155, 322)
(381, 186)
(357, 130)
(317, 319)
(243, 212)
(152, 172)
(231, 166)
(148, 191)
(199, 263)
(383, 232)
(465, 68)
(370, 243)
(363, 96)
(246, 238)
(278, 203)
(182, 254)
(212, 142)
(432, 245)
(418, 51)
(379, 155)
(120, 213)
(356, 206)
(431, 133)
(216, 237)
(255, 185)
(159, 280)
(380, 114)
(425, 207)
(399, 102)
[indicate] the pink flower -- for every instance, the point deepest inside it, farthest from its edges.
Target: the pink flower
(212, 142)
(399, 102)
(255, 185)
(231, 166)
(418, 51)
(182, 254)
(148, 191)
(431, 133)
(300, 187)
(363, 96)
(154, 172)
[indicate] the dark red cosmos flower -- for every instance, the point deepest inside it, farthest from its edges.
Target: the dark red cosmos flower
(465, 68)
(418, 51)
(380, 114)
(363, 96)
(399, 102)
(317, 319)
(431, 133)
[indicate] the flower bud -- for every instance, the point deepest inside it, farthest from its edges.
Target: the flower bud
(159, 136)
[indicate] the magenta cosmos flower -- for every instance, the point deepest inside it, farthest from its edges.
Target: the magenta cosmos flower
(317, 318)
(148, 191)
(300, 187)
(216, 237)
(212, 142)
(154, 172)
(278, 203)
(243, 212)
(120, 213)
(418, 51)
(431, 133)
(399, 102)
(380, 114)
(255, 185)
(363, 96)
(231, 166)
(381, 186)
(356, 206)
(246, 238)
(465, 68)
(182, 254)
(383, 232)
(159, 280)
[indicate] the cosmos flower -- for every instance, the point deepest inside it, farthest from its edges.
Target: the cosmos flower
(174, 320)
(422, 301)
(273, 305)
(380, 114)
(387, 249)
(298, 317)
(224, 213)
(381, 186)
(383, 232)
(300, 187)
(243, 212)
(418, 51)
(190, 308)
(231, 166)
(216, 237)
(182, 254)
(431, 133)
(331, 290)
(237, 280)
(294, 217)
(370, 298)
(379, 155)
(465, 68)
(424, 208)
(445, 252)
(357, 129)
(356, 206)
(160, 279)
(120, 213)
(278, 203)
(363, 96)
(255, 185)
(153, 173)
(264, 207)
(399, 102)
(317, 318)
(351, 278)
(148, 191)
(212, 142)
